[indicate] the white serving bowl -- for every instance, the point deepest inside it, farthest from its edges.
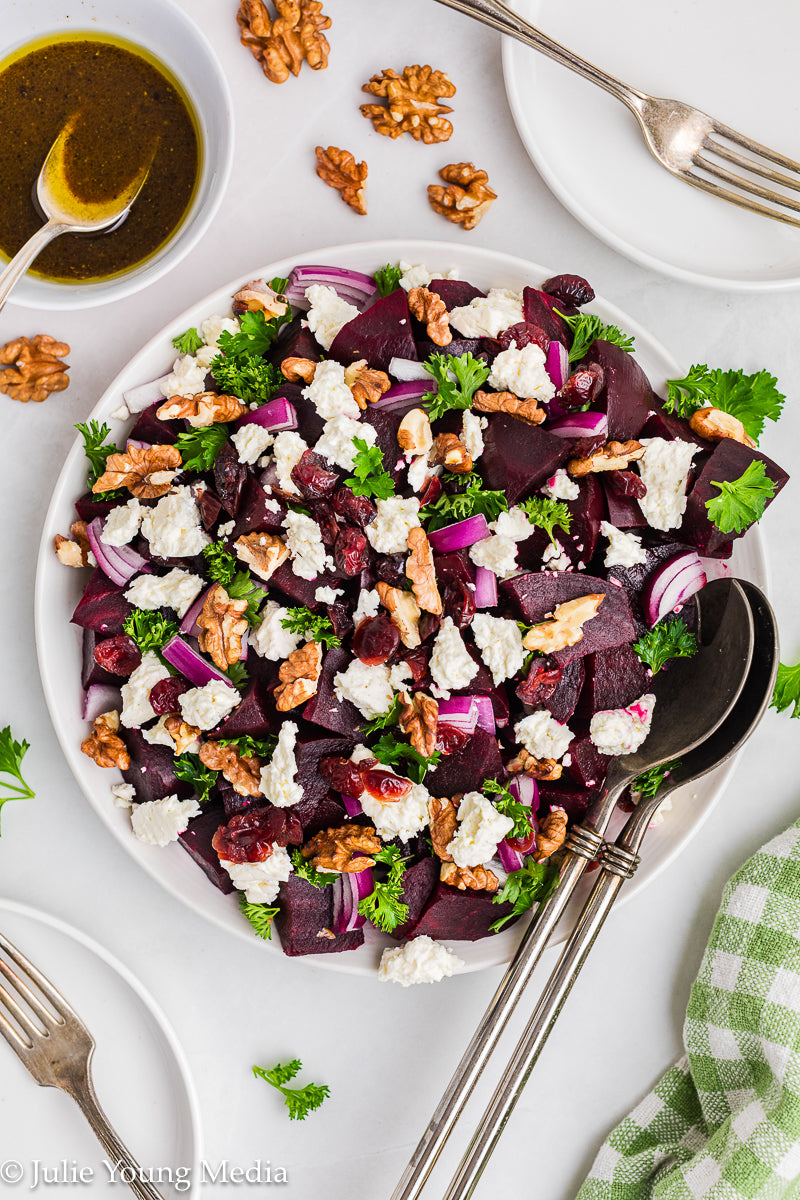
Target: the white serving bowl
(171, 36)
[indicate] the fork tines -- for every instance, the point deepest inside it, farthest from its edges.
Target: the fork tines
(48, 1017)
(756, 163)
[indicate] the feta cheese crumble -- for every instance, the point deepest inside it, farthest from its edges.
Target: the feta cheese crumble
(209, 331)
(122, 524)
(368, 687)
(269, 639)
(336, 443)
(329, 393)
(542, 735)
(560, 486)
(136, 707)
(418, 275)
(513, 524)
(368, 604)
(278, 776)
(204, 707)
(177, 589)
(622, 730)
(289, 448)
(500, 643)
(624, 549)
(327, 595)
(304, 539)
(665, 471)
(481, 828)
(399, 819)
(251, 441)
(486, 316)
(388, 533)
(555, 557)
(451, 666)
(328, 313)
(260, 881)
(420, 961)
(496, 553)
(124, 794)
(159, 822)
(187, 378)
(472, 427)
(523, 373)
(173, 527)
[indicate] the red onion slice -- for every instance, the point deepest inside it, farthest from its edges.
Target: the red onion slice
(348, 890)
(351, 286)
(189, 623)
(671, 584)
(119, 563)
(582, 424)
(459, 535)
(485, 713)
(407, 369)
(403, 396)
(191, 664)
(277, 414)
(352, 806)
(460, 712)
(511, 860)
(100, 698)
(485, 588)
(557, 364)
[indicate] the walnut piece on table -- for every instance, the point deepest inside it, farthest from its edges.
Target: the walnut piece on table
(431, 310)
(147, 472)
(345, 849)
(281, 45)
(299, 676)
(222, 624)
(242, 771)
(104, 746)
(419, 721)
(339, 169)
(33, 368)
(414, 103)
(467, 197)
(202, 410)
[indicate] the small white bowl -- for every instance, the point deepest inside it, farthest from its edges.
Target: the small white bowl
(163, 29)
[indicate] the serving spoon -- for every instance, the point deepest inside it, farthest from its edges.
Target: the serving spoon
(65, 212)
(619, 862)
(692, 700)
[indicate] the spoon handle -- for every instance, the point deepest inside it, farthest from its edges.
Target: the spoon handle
(19, 264)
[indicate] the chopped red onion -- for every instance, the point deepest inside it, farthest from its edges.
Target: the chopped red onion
(119, 563)
(408, 369)
(144, 394)
(191, 664)
(189, 623)
(511, 860)
(348, 890)
(671, 584)
(485, 713)
(131, 442)
(352, 286)
(460, 534)
(403, 396)
(557, 364)
(100, 698)
(581, 424)
(352, 806)
(277, 414)
(485, 588)
(460, 712)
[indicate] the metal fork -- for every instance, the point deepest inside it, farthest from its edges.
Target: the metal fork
(58, 1053)
(692, 145)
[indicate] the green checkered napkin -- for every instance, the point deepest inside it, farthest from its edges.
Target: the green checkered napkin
(724, 1122)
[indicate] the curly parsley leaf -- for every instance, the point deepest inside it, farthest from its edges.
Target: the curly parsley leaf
(458, 377)
(457, 506)
(190, 769)
(247, 376)
(649, 782)
(313, 626)
(243, 587)
(259, 916)
(97, 451)
(199, 448)
(12, 753)
(221, 565)
(787, 690)
(752, 399)
(668, 639)
(391, 752)
(383, 907)
(586, 328)
(533, 883)
(256, 335)
(252, 747)
(149, 629)
(742, 501)
(188, 342)
(390, 717)
(305, 869)
(369, 478)
(548, 514)
(238, 675)
(388, 279)
(299, 1101)
(505, 803)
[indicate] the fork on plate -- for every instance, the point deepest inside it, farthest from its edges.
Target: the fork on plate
(56, 1047)
(693, 146)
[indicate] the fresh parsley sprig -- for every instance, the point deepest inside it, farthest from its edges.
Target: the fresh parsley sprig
(189, 769)
(587, 328)
(199, 448)
(299, 1101)
(391, 752)
(248, 376)
(505, 803)
(387, 279)
(252, 747)
(244, 587)
(238, 675)
(458, 377)
(188, 342)
(97, 450)
(221, 565)
(256, 334)
(548, 514)
(383, 907)
(12, 753)
(668, 639)
(390, 717)
(741, 501)
(787, 690)
(533, 883)
(369, 476)
(305, 869)
(649, 782)
(458, 506)
(314, 626)
(751, 398)
(259, 916)
(149, 629)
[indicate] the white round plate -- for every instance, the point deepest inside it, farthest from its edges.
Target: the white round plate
(140, 1073)
(715, 54)
(58, 590)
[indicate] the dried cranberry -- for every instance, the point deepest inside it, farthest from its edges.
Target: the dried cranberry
(249, 836)
(120, 655)
(458, 602)
(626, 483)
(311, 475)
(384, 785)
(357, 509)
(449, 739)
(340, 619)
(350, 552)
(569, 289)
(543, 678)
(391, 568)
(325, 517)
(164, 694)
(417, 660)
(431, 492)
(343, 775)
(229, 479)
(523, 845)
(583, 386)
(375, 639)
(583, 447)
(209, 506)
(524, 333)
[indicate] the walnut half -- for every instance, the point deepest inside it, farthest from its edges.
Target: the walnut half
(613, 456)
(299, 676)
(339, 169)
(419, 720)
(431, 310)
(346, 849)
(147, 472)
(442, 823)
(414, 103)
(243, 772)
(294, 37)
(104, 746)
(33, 368)
(565, 627)
(474, 879)
(507, 402)
(222, 624)
(202, 410)
(263, 553)
(467, 197)
(420, 570)
(404, 612)
(552, 834)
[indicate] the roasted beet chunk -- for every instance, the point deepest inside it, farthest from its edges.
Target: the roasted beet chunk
(458, 602)
(380, 334)
(305, 917)
(729, 462)
(628, 395)
(229, 479)
(569, 289)
(164, 694)
(311, 474)
(523, 334)
(357, 509)
(118, 655)
(102, 607)
(196, 840)
(209, 506)
(350, 552)
(520, 457)
(583, 386)
(460, 916)
(376, 639)
(249, 836)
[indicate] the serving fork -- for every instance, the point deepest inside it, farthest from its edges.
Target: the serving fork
(55, 1046)
(692, 145)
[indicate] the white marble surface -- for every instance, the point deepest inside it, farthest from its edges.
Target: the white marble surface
(385, 1052)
